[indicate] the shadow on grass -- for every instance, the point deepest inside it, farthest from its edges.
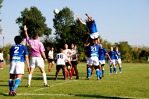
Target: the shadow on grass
(99, 96)
(3, 94)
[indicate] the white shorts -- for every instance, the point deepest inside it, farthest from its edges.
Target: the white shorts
(101, 62)
(16, 68)
(36, 61)
(118, 61)
(94, 35)
(92, 61)
(112, 63)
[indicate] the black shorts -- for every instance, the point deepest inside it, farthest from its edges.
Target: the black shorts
(74, 63)
(1, 61)
(67, 64)
(58, 67)
(50, 60)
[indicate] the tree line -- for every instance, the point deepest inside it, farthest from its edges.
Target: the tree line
(68, 30)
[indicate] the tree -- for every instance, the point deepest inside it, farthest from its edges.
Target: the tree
(62, 24)
(35, 22)
(0, 13)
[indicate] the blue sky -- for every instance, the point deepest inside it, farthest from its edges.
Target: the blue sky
(117, 20)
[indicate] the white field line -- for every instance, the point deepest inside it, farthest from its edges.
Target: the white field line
(78, 95)
(50, 86)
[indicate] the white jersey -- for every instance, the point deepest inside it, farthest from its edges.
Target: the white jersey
(74, 55)
(60, 59)
(67, 52)
(50, 55)
(1, 56)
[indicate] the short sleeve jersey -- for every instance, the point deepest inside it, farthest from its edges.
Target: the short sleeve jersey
(18, 52)
(61, 59)
(92, 26)
(112, 55)
(102, 53)
(92, 50)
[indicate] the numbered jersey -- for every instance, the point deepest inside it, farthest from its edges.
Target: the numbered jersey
(60, 59)
(17, 53)
(92, 50)
(67, 52)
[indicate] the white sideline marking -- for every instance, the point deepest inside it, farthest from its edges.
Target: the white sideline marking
(34, 94)
(50, 86)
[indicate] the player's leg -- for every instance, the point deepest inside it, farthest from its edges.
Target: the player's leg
(119, 64)
(17, 83)
(11, 82)
(89, 66)
(69, 69)
(58, 67)
(110, 64)
(114, 66)
(30, 76)
(76, 69)
(40, 64)
(97, 72)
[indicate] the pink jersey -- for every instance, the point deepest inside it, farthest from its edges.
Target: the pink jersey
(36, 47)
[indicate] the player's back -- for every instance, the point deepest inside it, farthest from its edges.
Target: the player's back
(102, 53)
(112, 54)
(92, 50)
(60, 59)
(18, 52)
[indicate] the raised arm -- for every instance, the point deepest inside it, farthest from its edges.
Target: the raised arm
(89, 17)
(25, 30)
(80, 19)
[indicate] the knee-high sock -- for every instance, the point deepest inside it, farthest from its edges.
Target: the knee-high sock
(98, 73)
(110, 69)
(120, 68)
(29, 79)
(114, 69)
(10, 84)
(17, 83)
(103, 72)
(44, 78)
(88, 73)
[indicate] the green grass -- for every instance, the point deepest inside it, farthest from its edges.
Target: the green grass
(133, 82)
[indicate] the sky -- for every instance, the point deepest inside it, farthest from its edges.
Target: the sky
(116, 20)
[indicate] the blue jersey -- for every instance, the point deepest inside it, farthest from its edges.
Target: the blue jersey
(102, 53)
(92, 50)
(118, 54)
(92, 26)
(112, 55)
(18, 52)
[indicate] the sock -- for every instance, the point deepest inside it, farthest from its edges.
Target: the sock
(111, 70)
(29, 79)
(88, 73)
(65, 74)
(56, 75)
(98, 73)
(72, 71)
(17, 83)
(114, 69)
(120, 68)
(103, 72)
(10, 84)
(44, 78)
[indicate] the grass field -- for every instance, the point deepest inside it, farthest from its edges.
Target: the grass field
(133, 82)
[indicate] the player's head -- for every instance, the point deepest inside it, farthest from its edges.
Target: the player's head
(18, 39)
(61, 50)
(35, 36)
(66, 46)
(95, 41)
(72, 46)
(100, 45)
(116, 48)
(111, 48)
